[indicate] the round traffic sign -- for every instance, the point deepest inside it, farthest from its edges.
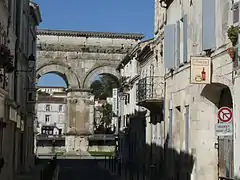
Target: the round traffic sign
(225, 114)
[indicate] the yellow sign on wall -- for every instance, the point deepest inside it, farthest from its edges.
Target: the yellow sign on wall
(200, 70)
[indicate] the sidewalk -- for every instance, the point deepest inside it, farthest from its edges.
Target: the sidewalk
(34, 174)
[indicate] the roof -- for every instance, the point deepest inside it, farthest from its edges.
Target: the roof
(140, 46)
(112, 35)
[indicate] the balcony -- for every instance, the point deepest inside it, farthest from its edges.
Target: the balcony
(150, 92)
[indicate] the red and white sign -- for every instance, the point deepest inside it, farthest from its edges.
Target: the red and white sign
(225, 114)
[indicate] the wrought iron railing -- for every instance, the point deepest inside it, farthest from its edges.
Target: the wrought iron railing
(150, 88)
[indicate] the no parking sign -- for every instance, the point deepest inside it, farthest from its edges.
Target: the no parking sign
(225, 114)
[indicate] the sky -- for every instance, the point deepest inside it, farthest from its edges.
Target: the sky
(136, 16)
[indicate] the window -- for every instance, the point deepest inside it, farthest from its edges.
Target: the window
(60, 131)
(50, 132)
(38, 124)
(127, 99)
(236, 13)
(47, 130)
(47, 118)
(169, 45)
(60, 108)
(208, 24)
(48, 107)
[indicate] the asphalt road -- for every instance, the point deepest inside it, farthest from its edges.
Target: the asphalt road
(82, 169)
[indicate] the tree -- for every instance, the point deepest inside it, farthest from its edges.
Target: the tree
(105, 121)
(97, 88)
(107, 115)
(102, 87)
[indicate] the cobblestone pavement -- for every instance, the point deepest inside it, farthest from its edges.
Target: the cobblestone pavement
(84, 169)
(34, 174)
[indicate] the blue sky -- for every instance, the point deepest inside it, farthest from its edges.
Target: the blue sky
(96, 15)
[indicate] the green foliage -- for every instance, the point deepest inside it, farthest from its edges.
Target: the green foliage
(102, 87)
(105, 122)
(107, 115)
(97, 89)
(233, 34)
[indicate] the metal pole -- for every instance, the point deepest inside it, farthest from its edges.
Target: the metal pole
(105, 161)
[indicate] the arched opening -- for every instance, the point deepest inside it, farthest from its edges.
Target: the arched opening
(220, 96)
(52, 79)
(102, 87)
(71, 79)
(51, 108)
(95, 73)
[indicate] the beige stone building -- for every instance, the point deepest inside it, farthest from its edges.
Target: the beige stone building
(18, 21)
(197, 30)
(51, 121)
(184, 142)
(140, 111)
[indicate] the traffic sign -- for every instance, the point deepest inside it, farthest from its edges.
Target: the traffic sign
(224, 129)
(225, 114)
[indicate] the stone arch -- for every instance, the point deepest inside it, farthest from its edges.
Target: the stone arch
(100, 70)
(63, 71)
(219, 94)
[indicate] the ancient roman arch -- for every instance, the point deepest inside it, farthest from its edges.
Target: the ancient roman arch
(78, 57)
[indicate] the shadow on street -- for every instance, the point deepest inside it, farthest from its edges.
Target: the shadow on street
(84, 168)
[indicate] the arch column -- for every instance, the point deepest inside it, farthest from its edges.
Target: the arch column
(80, 108)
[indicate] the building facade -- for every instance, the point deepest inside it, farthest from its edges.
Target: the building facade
(51, 112)
(181, 120)
(197, 31)
(140, 111)
(17, 50)
(51, 120)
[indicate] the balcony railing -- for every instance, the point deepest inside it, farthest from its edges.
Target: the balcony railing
(102, 137)
(50, 137)
(150, 88)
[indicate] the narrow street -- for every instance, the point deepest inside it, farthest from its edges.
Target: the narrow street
(82, 169)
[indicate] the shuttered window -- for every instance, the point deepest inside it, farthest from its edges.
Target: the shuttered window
(236, 13)
(169, 46)
(185, 39)
(178, 48)
(208, 24)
